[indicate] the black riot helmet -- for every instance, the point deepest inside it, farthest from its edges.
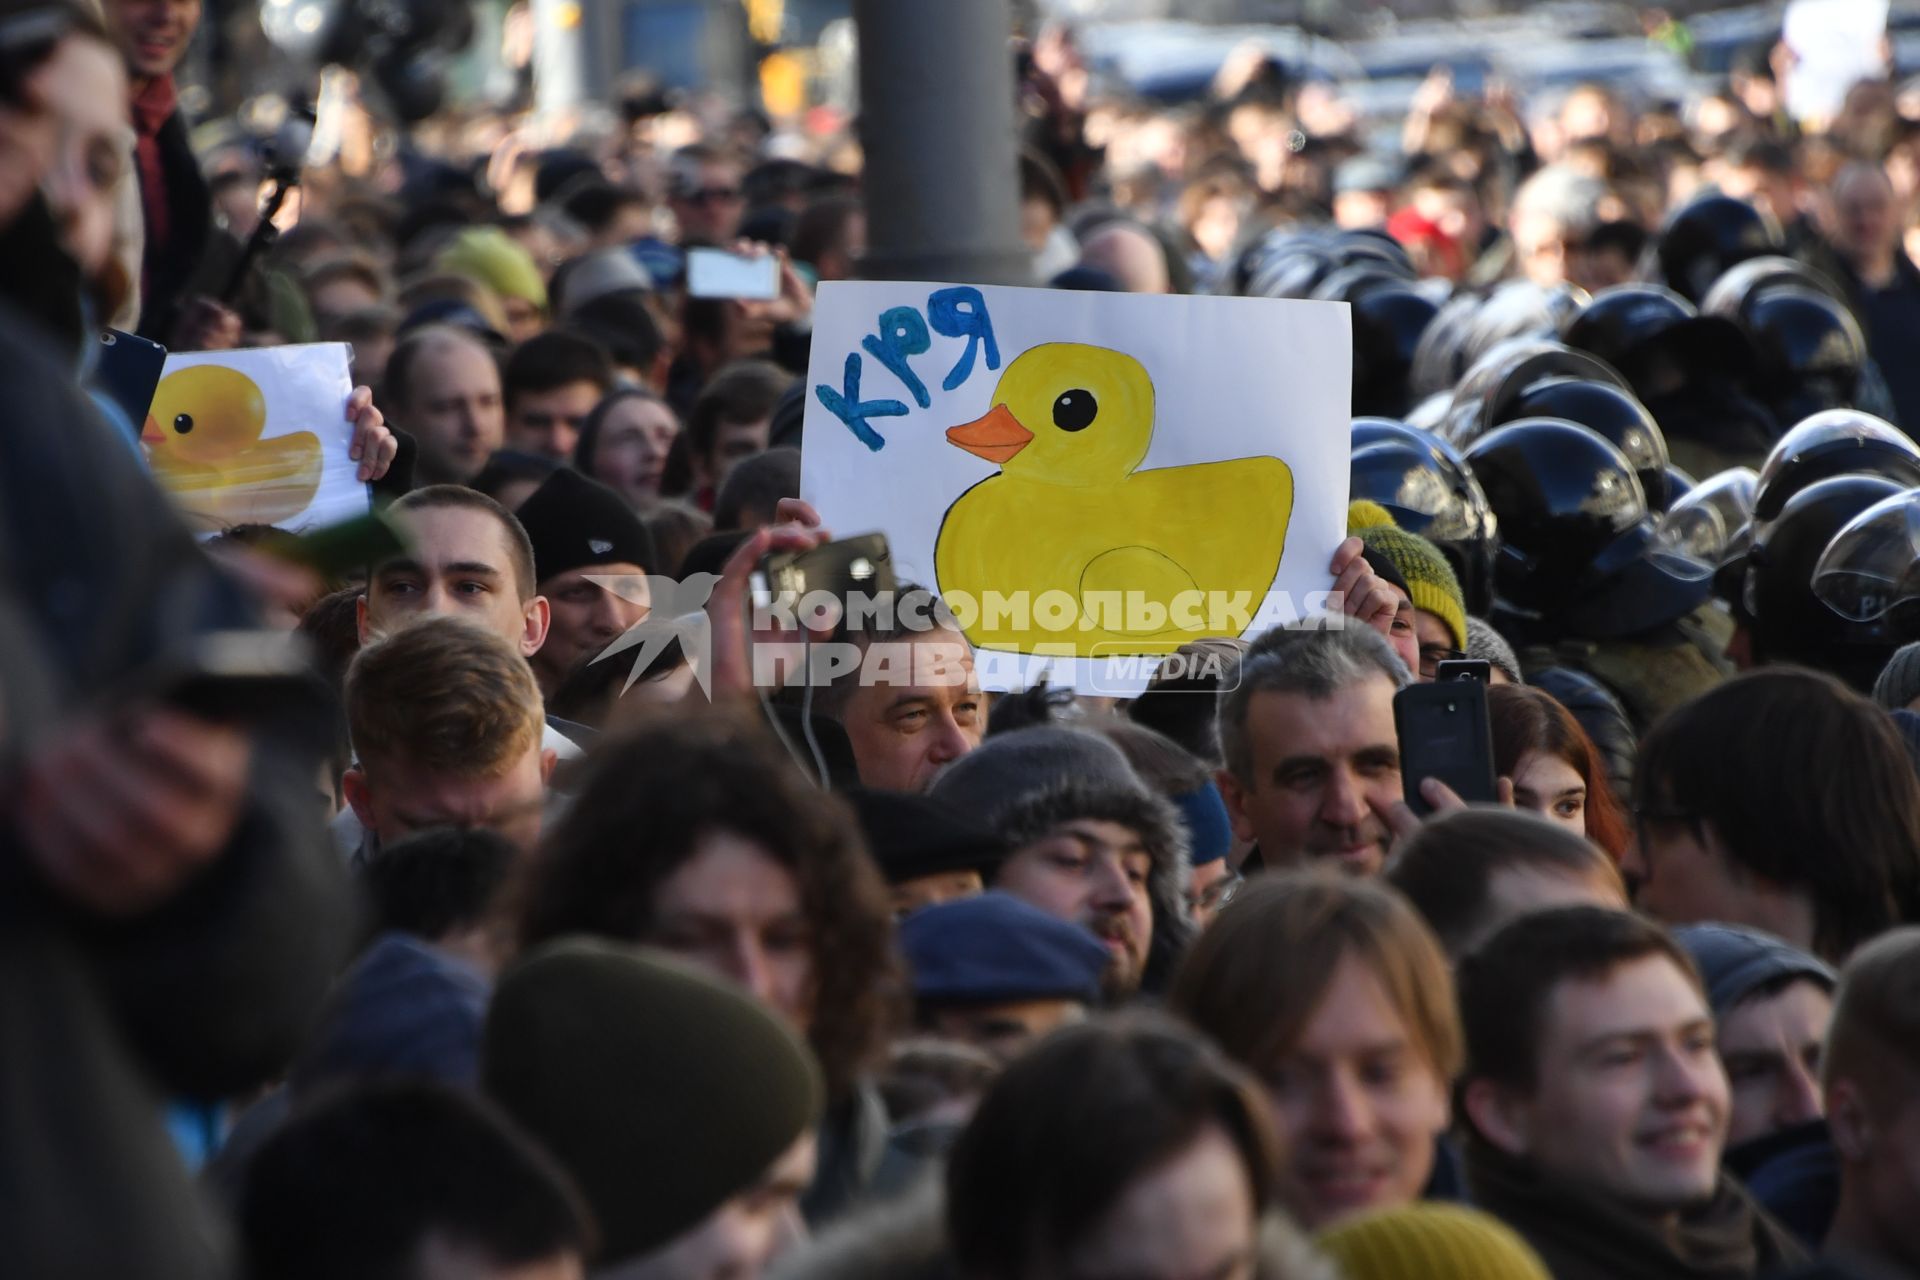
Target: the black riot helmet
(1579, 554)
(1428, 489)
(1870, 571)
(1679, 484)
(1706, 236)
(1603, 407)
(1503, 372)
(1785, 619)
(1761, 275)
(1656, 339)
(1439, 359)
(1388, 317)
(1811, 352)
(1837, 442)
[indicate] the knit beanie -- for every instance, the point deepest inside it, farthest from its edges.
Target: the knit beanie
(918, 835)
(1008, 767)
(1429, 578)
(1430, 1241)
(1735, 962)
(574, 522)
(1899, 682)
(1488, 645)
(495, 259)
(664, 1092)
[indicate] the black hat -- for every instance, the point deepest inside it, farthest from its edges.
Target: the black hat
(574, 522)
(1735, 962)
(916, 835)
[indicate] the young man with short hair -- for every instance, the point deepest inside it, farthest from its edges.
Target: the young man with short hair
(1470, 871)
(1872, 1078)
(468, 557)
(1596, 1108)
(552, 382)
(446, 721)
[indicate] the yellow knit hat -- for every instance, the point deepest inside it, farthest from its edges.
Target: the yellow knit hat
(1430, 579)
(1425, 1241)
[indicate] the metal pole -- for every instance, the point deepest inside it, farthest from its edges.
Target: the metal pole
(937, 126)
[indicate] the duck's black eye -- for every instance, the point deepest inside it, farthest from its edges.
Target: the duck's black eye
(183, 423)
(1074, 410)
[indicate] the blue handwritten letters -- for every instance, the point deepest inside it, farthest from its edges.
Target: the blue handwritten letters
(958, 311)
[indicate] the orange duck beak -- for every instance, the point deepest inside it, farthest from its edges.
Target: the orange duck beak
(151, 433)
(995, 437)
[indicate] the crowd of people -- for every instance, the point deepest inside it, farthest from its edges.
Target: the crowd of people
(458, 953)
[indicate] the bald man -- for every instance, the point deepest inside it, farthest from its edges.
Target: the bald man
(1128, 254)
(443, 385)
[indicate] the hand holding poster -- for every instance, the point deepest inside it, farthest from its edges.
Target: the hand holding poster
(256, 437)
(1088, 480)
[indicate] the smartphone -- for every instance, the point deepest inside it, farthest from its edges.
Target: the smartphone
(1464, 669)
(130, 368)
(715, 273)
(862, 565)
(1444, 734)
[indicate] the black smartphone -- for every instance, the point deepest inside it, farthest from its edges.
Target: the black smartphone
(130, 368)
(1464, 669)
(258, 679)
(1444, 734)
(861, 565)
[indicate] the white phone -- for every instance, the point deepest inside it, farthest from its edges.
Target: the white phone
(715, 273)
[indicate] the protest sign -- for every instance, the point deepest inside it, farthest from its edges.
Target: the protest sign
(256, 437)
(1089, 480)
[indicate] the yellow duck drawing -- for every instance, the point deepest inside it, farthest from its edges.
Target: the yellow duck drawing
(204, 447)
(1068, 512)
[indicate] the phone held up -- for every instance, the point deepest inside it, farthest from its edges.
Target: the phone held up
(860, 566)
(1444, 733)
(716, 273)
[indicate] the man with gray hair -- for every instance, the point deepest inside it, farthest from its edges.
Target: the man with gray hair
(1554, 212)
(1312, 760)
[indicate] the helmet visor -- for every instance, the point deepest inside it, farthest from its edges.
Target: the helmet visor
(1872, 566)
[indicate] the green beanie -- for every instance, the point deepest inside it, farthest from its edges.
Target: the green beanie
(1430, 1241)
(663, 1091)
(1430, 579)
(492, 257)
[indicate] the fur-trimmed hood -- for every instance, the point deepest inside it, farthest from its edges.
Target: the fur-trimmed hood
(1158, 824)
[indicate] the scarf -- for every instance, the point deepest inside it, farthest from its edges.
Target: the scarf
(1587, 1236)
(153, 105)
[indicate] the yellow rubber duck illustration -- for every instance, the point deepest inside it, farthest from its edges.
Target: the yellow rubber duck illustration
(204, 447)
(1137, 557)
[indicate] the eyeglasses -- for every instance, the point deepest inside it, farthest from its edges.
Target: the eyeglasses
(1218, 894)
(1432, 655)
(712, 195)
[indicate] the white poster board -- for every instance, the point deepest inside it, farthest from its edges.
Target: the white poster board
(1090, 480)
(256, 436)
(1836, 44)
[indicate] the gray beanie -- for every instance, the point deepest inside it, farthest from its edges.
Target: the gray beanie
(1899, 682)
(1488, 645)
(1735, 962)
(1008, 767)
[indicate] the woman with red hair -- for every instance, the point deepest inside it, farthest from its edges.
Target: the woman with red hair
(1555, 768)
